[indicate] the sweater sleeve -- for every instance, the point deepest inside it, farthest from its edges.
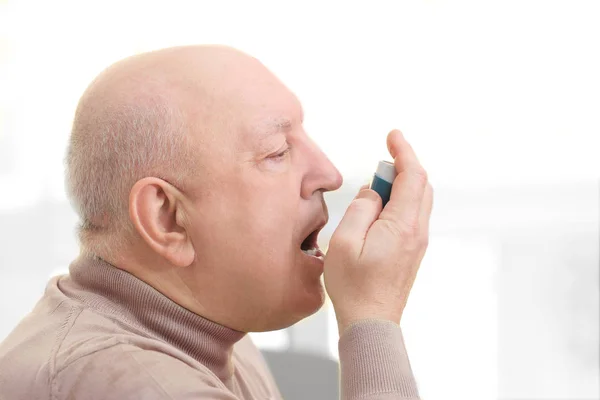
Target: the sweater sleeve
(374, 363)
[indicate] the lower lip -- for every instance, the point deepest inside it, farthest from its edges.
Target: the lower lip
(316, 261)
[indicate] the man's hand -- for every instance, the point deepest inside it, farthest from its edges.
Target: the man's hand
(374, 254)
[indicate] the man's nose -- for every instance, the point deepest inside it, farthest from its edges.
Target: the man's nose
(321, 174)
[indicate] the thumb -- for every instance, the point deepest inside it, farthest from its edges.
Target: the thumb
(360, 215)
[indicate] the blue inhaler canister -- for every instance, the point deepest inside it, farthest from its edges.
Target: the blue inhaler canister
(383, 180)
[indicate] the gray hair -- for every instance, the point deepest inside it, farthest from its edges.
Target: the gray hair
(113, 144)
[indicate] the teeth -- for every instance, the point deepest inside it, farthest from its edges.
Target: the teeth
(313, 252)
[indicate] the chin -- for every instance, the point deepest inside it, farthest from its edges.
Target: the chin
(311, 304)
(304, 306)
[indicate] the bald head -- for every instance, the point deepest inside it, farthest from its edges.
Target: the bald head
(142, 117)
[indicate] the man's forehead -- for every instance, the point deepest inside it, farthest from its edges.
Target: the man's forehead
(278, 111)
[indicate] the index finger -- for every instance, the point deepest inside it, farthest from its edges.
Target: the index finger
(409, 186)
(401, 151)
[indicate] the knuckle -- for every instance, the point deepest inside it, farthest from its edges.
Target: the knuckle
(410, 226)
(421, 175)
(402, 230)
(424, 241)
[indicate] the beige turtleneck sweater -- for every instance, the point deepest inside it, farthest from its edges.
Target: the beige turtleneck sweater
(101, 333)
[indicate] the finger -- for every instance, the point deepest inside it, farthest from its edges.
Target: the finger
(425, 212)
(409, 186)
(360, 215)
(402, 152)
(392, 142)
(424, 221)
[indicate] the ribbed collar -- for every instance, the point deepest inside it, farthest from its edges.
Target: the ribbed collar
(110, 290)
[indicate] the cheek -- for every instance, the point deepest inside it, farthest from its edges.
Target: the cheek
(250, 235)
(270, 222)
(250, 223)
(272, 237)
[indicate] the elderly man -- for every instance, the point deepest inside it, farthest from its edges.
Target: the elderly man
(201, 198)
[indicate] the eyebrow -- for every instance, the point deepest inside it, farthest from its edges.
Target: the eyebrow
(272, 126)
(280, 125)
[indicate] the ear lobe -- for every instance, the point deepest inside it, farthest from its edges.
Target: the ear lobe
(181, 253)
(156, 212)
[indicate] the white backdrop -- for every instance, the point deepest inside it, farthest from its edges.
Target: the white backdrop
(500, 100)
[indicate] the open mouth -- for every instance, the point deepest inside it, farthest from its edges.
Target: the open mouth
(310, 247)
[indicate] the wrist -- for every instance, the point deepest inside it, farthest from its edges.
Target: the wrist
(346, 323)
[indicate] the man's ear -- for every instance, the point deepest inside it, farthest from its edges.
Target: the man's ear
(157, 213)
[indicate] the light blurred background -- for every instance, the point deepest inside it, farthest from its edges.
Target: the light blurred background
(501, 101)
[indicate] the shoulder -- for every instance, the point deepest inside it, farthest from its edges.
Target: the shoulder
(124, 370)
(100, 357)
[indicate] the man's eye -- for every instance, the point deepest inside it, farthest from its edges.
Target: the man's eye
(281, 154)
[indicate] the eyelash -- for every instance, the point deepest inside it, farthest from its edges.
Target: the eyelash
(282, 154)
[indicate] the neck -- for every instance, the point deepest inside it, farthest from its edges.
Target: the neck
(112, 290)
(164, 278)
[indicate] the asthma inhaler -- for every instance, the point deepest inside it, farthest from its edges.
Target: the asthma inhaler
(383, 180)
